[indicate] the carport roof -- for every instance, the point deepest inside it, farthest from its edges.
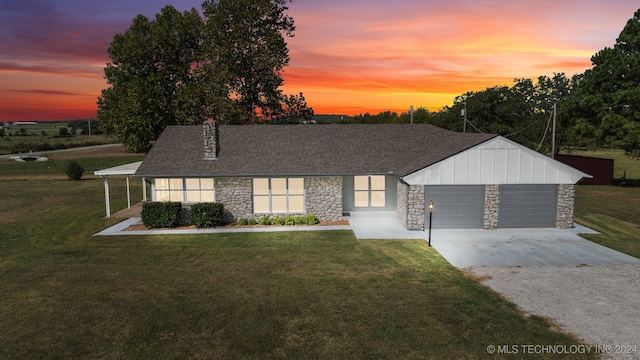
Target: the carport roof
(337, 149)
(126, 169)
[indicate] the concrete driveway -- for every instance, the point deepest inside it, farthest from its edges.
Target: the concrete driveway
(512, 247)
(501, 247)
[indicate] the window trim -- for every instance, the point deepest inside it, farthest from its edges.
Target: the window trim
(287, 196)
(369, 191)
(184, 189)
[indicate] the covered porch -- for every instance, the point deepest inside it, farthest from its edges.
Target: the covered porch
(127, 170)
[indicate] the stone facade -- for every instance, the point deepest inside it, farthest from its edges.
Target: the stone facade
(415, 208)
(324, 197)
(566, 199)
(237, 196)
(410, 205)
(491, 206)
(211, 137)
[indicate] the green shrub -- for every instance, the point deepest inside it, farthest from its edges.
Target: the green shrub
(279, 220)
(243, 222)
(264, 220)
(161, 214)
(289, 220)
(74, 170)
(207, 214)
(300, 220)
(252, 221)
(310, 220)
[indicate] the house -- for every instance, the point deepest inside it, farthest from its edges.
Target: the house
(474, 180)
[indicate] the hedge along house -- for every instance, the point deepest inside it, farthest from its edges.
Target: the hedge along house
(474, 180)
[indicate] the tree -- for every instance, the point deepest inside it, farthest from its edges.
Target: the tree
(294, 110)
(181, 66)
(521, 112)
(541, 97)
(153, 78)
(497, 110)
(606, 104)
(245, 41)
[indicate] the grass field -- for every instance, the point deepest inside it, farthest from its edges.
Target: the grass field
(306, 295)
(43, 136)
(614, 212)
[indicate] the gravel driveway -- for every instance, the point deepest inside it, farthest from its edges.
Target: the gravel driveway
(598, 303)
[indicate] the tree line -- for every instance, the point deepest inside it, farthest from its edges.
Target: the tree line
(596, 109)
(179, 67)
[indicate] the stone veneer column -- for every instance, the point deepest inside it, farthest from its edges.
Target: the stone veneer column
(237, 196)
(323, 197)
(415, 215)
(402, 190)
(211, 137)
(566, 200)
(491, 206)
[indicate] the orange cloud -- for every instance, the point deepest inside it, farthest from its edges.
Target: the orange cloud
(347, 57)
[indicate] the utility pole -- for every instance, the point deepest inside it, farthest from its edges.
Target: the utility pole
(553, 132)
(464, 115)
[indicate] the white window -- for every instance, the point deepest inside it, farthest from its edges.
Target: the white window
(278, 195)
(369, 191)
(186, 190)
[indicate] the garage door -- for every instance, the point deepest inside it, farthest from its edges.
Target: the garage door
(455, 206)
(526, 206)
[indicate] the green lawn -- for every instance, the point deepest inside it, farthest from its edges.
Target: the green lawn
(66, 294)
(614, 212)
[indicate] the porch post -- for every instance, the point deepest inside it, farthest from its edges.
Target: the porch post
(106, 195)
(144, 189)
(128, 194)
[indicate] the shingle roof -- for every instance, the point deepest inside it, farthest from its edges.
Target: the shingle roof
(272, 150)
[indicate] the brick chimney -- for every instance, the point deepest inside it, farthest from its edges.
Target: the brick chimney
(211, 135)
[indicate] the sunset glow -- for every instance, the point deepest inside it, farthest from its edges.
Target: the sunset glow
(346, 57)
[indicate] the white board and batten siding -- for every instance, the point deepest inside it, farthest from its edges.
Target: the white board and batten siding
(496, 161)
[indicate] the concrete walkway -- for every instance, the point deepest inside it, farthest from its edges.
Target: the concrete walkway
(380, 225)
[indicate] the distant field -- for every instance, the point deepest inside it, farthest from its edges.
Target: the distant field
(46, 136)
(623, 163)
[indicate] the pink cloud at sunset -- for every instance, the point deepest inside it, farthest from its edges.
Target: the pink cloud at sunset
(346, 57)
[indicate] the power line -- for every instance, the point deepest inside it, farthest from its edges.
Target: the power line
(545, 132)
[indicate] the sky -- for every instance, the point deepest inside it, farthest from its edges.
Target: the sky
(347, 56)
